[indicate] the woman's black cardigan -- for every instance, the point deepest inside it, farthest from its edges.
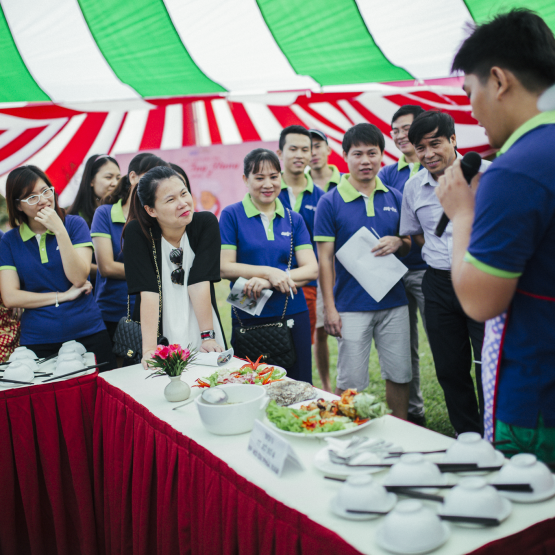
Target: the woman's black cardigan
(140, 272)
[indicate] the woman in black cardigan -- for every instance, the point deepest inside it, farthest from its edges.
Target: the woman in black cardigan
(187, 246)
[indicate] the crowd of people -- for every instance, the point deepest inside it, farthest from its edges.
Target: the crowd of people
(156, 259)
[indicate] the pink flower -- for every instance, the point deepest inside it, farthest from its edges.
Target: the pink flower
(185, 354)
(162, 351)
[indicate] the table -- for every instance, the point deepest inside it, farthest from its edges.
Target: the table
(163, 484)
(46, 487)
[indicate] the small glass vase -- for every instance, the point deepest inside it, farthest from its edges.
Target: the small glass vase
(176, 390)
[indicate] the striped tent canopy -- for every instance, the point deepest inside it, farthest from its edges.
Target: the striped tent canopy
(84, 76)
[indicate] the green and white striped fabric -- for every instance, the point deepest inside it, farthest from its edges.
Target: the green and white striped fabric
(79, 51)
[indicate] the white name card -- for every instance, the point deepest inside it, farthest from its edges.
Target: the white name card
(271, 449)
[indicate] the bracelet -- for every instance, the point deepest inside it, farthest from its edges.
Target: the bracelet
(208, 334)
(57, 303)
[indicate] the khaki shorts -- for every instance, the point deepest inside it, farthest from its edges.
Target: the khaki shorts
(390, 330)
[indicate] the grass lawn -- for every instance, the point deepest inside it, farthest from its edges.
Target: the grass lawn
(434, 402)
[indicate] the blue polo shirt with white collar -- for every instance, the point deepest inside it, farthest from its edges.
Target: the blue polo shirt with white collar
(242, 230)
(305, 205)
(396, 175)
(341, 213)
(40, 270)
(512, 238)
(111, 294)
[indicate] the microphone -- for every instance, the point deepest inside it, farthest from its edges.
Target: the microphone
(470, 166)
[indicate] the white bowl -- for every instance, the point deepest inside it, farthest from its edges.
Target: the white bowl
(72, 346)
(67, 366)
(471, 448)
(414, 469)
(20, 371)
(29, 362)
(525, 468)
(474, 497)
(21, 353)
(69, 356)
(362, 493)
(246, 403)
(412, 528)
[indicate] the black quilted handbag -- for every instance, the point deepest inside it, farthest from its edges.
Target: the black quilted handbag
(273, 341)
(128, 339)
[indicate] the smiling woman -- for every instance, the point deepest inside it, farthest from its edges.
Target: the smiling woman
(45, 261)
(172, 250)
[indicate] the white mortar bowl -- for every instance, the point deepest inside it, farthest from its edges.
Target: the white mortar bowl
(246, 404)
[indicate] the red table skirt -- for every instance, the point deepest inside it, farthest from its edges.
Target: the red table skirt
(158, 491)
(46, 493)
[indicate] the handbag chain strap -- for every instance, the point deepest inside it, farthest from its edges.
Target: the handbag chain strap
(287, 297)
(159, 285)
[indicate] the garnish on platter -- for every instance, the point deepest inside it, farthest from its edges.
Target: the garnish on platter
(350, 411)
(251, 373)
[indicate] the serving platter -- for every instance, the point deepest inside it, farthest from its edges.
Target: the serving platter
(318, 435)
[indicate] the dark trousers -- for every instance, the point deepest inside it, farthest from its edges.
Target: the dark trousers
(302, 369)
(451, 333)
(97, 343)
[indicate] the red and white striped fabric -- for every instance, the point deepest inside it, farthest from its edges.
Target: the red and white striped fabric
(59, 140)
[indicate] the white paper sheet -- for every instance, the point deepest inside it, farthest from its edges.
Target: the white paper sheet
(251, 306)
(376, 274)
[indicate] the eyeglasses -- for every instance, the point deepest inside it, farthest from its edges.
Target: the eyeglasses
(396, 130)
(178, 275)
(34, 199)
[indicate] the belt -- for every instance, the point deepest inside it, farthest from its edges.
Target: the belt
(442, 273)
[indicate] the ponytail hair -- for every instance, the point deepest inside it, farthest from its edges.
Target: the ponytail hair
(140, 164)
(144, 194)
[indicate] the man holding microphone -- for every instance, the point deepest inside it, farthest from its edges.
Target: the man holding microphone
(503, 264)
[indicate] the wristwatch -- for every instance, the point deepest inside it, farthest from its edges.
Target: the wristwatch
(208, 334)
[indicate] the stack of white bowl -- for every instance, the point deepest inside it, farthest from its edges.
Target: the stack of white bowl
(413, 469)
(474, 497)
(411, 528)
(70, 358)
(362, 493)
(23, 365)
(470, 447)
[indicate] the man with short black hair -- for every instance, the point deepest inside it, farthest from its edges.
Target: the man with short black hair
(503, 266)
(298, 193)
(350, 313)
(450, 331)
(396, 175)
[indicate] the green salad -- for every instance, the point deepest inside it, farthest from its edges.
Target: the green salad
(306, 421)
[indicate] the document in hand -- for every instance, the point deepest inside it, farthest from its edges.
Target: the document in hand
(376, 274)
(250, 305)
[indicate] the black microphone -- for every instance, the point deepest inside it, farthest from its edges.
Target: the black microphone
(470, 166)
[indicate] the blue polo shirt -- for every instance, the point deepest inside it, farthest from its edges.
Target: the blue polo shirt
(396, 175)
(242, 230)
(40, 270)
(305, 205)
(512, 237)
(341, 213)
(334, 180)
(111, 294)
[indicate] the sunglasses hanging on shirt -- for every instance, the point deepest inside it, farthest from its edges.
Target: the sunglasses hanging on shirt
(178, 275)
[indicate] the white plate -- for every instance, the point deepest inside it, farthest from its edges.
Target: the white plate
(323, 464)
(338, 433)
(505, 512)
(523, 497)
(338, 510)
(233, 368)
(385, 545)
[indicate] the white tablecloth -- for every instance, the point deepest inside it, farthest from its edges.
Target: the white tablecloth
(307, 491)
